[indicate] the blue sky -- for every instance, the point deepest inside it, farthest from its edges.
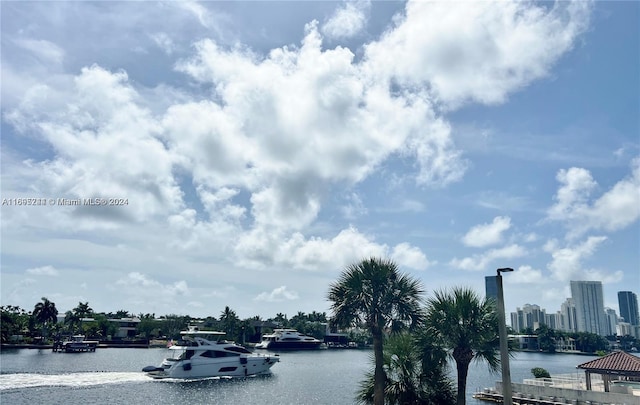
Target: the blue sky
(263, 146)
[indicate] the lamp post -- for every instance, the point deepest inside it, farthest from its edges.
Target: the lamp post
(504, 344)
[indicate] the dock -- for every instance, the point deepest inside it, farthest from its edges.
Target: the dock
(519, 399)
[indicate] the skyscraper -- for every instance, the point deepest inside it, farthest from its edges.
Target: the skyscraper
(628, 303)
(491, 287)
(589, 301)
(611, 319)
(568, 316)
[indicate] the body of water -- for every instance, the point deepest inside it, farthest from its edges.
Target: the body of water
(113, 376)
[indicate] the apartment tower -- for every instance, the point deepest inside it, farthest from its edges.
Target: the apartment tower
(628, 303)
(589, 302)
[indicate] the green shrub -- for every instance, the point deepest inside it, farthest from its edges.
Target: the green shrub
(539, 372)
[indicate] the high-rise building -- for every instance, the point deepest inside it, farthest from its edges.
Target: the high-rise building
(611, 321)
(625, 329)
(589, 302)
(517, 320)
(534, 316)
(530, 316)
(628, 303)
(568, 316)
(551, 320)
(491, 287)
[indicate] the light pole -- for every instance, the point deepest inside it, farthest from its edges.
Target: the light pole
(504, 344)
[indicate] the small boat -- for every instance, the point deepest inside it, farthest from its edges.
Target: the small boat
(288, 339)
(204, 354)
(76, 344)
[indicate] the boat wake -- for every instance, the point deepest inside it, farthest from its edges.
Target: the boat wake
(30, 380)
(77, 380)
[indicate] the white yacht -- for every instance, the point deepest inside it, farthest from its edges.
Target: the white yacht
(203, 354)
(288, 339)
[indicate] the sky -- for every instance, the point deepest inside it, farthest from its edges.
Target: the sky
(247, 152)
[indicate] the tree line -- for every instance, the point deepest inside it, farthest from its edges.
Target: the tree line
(41, 324)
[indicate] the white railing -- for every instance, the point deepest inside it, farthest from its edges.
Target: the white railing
(575, 381)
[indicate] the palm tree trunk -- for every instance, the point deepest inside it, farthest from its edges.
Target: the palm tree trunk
(463, 358)
(378, 375)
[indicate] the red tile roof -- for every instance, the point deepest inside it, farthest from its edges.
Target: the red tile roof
(617, 362)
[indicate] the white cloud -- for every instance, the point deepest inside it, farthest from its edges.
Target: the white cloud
(620, 206)
(487, 234)
(576, 186)
(406, 255)
(264, 249)
(277, 295)
(105, 146)
(478, 51)
(344, 126)
(43, 271)
(482, 261)
(46, 51)
(164, 42)
(526, 275)
(141, 284)
(204, 16)
(347, 21)
(616, 209)
(567, 262)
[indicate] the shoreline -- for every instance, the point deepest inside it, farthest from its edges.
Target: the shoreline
(105, 345)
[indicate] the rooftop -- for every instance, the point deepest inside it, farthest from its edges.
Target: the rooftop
(617, 362)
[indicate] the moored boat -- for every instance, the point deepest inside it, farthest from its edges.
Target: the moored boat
(288, 339)
(76, 344)
(203, 354)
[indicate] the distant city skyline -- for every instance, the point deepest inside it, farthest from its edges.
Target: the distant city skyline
(584, 311)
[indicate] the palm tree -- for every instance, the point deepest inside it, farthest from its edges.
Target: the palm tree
(71, 320)
(230, 322)
(374, 293)
(83, 310)
(466, 325)
(45, 312)
(415, 371)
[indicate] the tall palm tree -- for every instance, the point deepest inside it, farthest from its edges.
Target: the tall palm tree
(466, 325)
(374, 293)
(45, 313)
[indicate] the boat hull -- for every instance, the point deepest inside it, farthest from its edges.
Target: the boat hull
(187, 369)
(289, 345)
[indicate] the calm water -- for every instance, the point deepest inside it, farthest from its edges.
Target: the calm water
(113, 376)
